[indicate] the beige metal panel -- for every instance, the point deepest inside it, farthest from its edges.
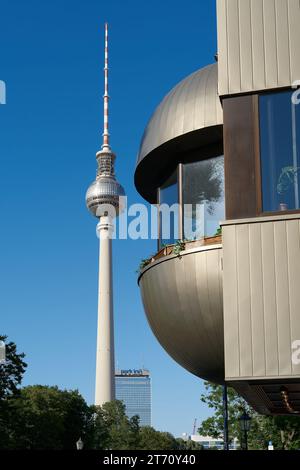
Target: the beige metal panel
(294, 35)
(245, 37)
(233, 45)
(269, 293)
(261, 297)
(282, 298)
(244, 303)
(211, 106)
(257, 48)
(283, 47)
(181, 297)
(222, 46)
(262, 35)
(178, 115)
(198, 109)
(188, 118)
(257, 302)
(293, 244)
(230, 295)
(270, 43)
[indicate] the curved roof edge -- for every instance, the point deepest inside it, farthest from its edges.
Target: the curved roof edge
(190, 116)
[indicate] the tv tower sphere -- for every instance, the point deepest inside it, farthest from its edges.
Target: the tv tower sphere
(105, 190)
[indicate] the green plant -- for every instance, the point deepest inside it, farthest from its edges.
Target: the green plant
(143, 264)
(218, 232)
(179, 246)
(286, 178)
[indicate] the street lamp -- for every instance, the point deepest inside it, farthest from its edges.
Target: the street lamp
(245, 422)
(79, 444)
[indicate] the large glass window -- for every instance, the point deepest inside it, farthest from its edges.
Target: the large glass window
(279, 151)
(191, 201)
(169, 210)
(203, 197)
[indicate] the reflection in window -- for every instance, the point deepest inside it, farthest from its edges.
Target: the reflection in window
(203, 197)
(168, 210)
(279, 150)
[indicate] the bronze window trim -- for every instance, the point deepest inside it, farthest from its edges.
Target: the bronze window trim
(180, 200)
(241, 157)
(258, 178)
(270, 213)
(158, 219)
(257, 162)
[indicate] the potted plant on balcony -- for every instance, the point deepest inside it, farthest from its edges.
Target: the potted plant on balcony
(287, 178)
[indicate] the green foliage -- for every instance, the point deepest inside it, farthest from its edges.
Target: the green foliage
(11, 374)
(178, 247)
(213, 398)
(150, 439)
(283, 431)
(113, 429)
(218, 232)
(12, 371)
(183, 444)
(45, 417)
(41, 417)
(143, 264)
(206, 183)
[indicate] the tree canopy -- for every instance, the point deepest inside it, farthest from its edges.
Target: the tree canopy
(44, 417)
(12, 370)
(283, 431)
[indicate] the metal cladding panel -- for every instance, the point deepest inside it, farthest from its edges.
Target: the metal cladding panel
(261, 296)
(191, 105)
(258, 43)
(182, 297)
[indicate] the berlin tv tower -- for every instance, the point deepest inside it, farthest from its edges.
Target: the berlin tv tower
(102, 200)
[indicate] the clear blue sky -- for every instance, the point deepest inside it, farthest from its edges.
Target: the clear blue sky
(51, 60)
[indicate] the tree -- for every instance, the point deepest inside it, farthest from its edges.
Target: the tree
(12, 371)
(283, 431)
(43, 417)
(183, 444)
(206, 181)
(11, 374)
(150, 439)
(213, 398)
(113, 429)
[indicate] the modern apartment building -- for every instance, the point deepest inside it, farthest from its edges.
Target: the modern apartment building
(224, 144)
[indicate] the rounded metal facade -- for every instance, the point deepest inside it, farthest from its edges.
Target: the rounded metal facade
(183, 301)
(190, 116)
(191, 105)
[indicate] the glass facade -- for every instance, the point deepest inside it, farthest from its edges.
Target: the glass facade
(203, 197)
(192, 202)
(169, 210)
(134, 389)
(279, 151)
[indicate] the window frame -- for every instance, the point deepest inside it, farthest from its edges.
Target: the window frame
(179, 198)
(179, 171)
(258, 159)
(242, 157)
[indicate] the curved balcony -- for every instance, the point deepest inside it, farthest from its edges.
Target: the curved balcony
(182, 297)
